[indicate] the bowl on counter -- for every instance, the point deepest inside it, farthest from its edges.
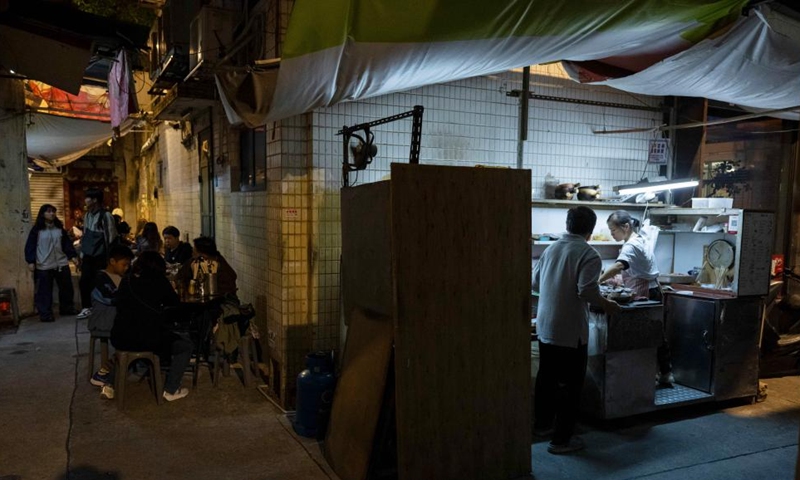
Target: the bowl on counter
(620, 297)
(675, 278)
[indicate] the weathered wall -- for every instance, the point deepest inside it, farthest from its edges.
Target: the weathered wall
(15, 216)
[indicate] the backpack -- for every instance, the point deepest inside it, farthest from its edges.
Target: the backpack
(94, 242)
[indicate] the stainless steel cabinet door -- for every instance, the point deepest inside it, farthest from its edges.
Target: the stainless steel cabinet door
(690, 332)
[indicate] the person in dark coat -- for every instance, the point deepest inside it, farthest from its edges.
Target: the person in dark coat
(141, 324)
(48, 251)
(206, 259)
(175, 251)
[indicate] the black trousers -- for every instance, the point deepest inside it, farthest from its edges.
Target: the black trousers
(89, 268)
(558, 389)
(43, 298)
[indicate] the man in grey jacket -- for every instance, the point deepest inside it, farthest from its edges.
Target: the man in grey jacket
(566, 279)
(99, 233)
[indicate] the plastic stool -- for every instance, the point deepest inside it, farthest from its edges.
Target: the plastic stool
(245, 351)
(123, 361)
(103, 353)
(9, 295)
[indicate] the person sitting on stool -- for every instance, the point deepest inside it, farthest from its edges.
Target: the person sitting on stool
(141, 325)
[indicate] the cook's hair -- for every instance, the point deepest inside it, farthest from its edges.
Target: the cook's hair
(622, 217)
(581, 220)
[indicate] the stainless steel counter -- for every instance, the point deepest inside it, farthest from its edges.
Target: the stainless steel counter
(622, 360)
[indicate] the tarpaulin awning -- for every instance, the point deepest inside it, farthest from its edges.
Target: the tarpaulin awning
(341, 50)
(57, 140)
(246, 95)
(755, 64)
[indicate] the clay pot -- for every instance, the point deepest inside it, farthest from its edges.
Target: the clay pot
(565, 191)
(589, 192)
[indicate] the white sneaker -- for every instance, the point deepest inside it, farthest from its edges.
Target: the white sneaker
(107, 392)
(179, 393)
(84, 313)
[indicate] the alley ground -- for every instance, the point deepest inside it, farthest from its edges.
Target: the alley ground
(54, 425)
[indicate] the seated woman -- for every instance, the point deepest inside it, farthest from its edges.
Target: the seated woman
(206, 260)
(141, 325)
(149, 240)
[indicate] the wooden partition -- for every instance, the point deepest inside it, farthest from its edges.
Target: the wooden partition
(459, 245)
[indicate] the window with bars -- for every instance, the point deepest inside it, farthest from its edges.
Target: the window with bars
(253, 158)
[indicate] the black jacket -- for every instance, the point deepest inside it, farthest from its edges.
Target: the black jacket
(33, 239)
(141, 324)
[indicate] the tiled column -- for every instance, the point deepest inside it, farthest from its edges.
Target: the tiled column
(289, 248)
(16, 218)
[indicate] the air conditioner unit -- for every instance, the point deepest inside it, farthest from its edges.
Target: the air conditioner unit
(210, 33)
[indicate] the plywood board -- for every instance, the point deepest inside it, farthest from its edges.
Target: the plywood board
(462, 327)
(366, 248)
(359, 395)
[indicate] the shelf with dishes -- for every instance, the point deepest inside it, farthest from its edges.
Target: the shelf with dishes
(590, 242)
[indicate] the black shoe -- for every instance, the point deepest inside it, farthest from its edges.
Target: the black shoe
(48, 320)
(67, 312)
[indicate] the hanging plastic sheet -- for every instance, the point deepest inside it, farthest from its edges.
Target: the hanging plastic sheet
(56, 140)
(755, 64)
(247, 95)
(341, 50)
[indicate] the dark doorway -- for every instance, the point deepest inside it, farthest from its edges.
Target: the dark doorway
(205, 148)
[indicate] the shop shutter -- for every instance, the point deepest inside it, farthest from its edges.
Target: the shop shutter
(47, 188)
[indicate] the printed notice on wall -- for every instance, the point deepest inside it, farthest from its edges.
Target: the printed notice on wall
(291, 214)
(658, 151)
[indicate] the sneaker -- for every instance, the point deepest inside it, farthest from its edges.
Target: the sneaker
(665, 379)
(575, 443)
(84, 313)
(99, 379)
(543, 432)
(107, 392)
(179, 393)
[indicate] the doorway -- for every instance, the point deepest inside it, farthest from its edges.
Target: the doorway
(205, 148)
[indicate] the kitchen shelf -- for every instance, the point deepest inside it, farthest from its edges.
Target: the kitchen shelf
(696, 212)
(692, 232)
(593, 203)
(590, 242)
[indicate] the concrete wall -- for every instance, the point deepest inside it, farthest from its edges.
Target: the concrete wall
(15, 215)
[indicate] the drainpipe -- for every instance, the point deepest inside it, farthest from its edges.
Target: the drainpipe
(524, 99)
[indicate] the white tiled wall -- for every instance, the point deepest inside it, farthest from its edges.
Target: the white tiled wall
(178, 201)
(473, 122)
(285, 242)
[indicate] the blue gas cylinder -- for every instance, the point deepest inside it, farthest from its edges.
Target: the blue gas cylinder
(315, 387)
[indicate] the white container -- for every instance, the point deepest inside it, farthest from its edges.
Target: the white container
(718, 202)
(699, 202)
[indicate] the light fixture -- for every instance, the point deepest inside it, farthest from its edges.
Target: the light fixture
(644, 187)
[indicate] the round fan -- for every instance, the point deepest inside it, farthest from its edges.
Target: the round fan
(362, 149)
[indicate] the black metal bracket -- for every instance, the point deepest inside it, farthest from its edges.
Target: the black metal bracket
(347, 132)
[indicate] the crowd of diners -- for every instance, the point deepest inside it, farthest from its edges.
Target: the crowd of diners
(129, 285)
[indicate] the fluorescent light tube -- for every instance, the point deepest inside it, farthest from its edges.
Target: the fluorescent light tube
(655, 186)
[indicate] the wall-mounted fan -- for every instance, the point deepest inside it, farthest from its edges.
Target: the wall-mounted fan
(362, 149)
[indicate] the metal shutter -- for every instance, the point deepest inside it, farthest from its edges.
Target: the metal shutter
(47, 188)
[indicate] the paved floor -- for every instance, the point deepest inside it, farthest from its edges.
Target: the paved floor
(53, 425)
